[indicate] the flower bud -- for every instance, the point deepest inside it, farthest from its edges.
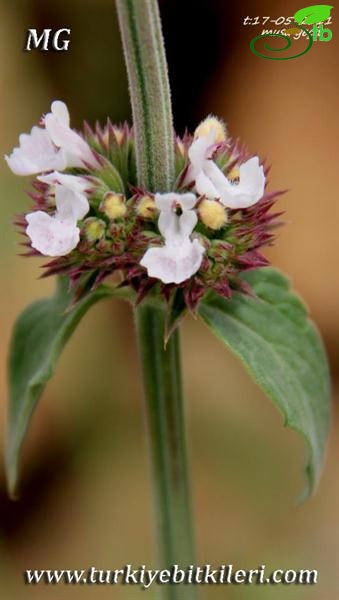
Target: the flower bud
(212, 214)
(94, 229)
(211, 123)
(146, 207)
(113, 205)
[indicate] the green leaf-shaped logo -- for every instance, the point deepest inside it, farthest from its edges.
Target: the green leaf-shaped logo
(313, 14)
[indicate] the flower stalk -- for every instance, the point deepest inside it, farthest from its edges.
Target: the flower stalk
(166, 426)
(152, 120)
(144, 51)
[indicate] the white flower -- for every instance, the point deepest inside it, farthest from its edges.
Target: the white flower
(58, 234)
(180, 257)
(70, 204)
(54, 147)
(75, 183)
(211, 182)
(51, 236)
(77, 152)
(36, 154)
(250, 188)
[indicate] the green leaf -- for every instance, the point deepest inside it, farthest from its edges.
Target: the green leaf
(313, 14)
(283, 352)
(39, 335)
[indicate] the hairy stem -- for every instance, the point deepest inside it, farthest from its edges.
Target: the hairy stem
(149, 91)
(152, 119)
(165, 421)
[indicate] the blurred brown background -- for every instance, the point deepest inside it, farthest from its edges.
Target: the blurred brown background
(86, 498)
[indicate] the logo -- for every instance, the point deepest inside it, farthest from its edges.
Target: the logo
(311, 15)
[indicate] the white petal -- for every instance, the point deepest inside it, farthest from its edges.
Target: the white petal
(252, 175)
(198, 151)
(50, 236)
(165, 201)
(168, 200)
(70, 205)
(176, 228)
(36, 154)
(37, 143)
(77, 151)
(187, 201)
(250, 187)
(217, 176)
(60, 110)
(173, 264)
(205, 187)
(187, 222)
(168, 224)
(72, 182)
(20, 164)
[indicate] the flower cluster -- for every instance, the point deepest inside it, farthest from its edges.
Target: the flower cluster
(93, 220)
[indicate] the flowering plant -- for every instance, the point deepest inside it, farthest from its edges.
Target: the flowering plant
(173, 226)
(91, 217)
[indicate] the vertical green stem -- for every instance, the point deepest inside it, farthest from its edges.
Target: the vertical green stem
(165, 421)
(144, 51)
(154, 144)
